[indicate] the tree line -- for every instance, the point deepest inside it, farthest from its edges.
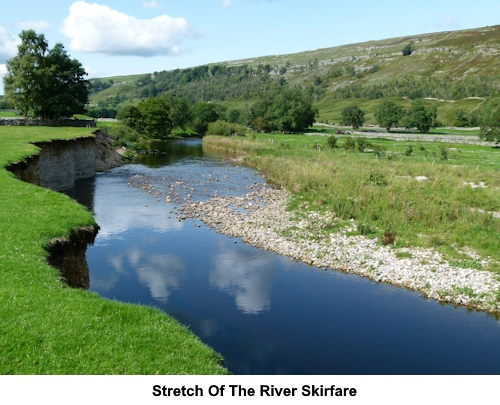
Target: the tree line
(388, 114)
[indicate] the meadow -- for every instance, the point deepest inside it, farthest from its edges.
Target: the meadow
(428, 194)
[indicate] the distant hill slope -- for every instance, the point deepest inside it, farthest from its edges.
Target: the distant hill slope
(454, 65)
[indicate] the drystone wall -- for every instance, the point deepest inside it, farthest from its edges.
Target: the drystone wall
(37, 122)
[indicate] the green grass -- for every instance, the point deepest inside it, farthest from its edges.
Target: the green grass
(382, 193)
(48, 328)
(8, 114)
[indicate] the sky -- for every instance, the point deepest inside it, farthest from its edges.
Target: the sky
(113, 37)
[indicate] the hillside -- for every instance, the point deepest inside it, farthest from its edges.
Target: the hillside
(459, 69)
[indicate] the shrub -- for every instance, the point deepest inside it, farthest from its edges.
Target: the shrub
(225, 128)
(443, 150)
(408, 151)
(389, 237)
(349, 144)
(379, 150)
(377, 179)
(332, 141)
(362, 144)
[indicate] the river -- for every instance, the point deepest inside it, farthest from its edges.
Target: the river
(264, 313)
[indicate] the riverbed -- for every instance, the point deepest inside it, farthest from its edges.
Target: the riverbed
(265, 313)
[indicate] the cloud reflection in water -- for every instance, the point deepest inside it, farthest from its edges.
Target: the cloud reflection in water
(245, 276)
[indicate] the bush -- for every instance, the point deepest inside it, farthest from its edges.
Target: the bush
(379, 150)
(443, 150)
(349, 144)
(332, 141)
(408, 151)
(377, 179)
(224, 128)
(362, 144)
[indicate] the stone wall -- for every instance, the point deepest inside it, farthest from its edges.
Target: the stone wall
(37, 122)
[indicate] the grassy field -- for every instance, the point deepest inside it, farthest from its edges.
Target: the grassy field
(48, 328)
(381, 190)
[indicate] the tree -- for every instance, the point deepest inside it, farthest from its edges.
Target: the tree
(48, 83)
(62, 90)
(418, 117)
(490, 123)
(151, 117)
(287, 110)
(408, 49)
(155, 118)
(203, 114)
(180, 111)
(460, 119)
(353, 116)
(22, 79)
(388, 114)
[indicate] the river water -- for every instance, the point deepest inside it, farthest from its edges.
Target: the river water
(262, 312)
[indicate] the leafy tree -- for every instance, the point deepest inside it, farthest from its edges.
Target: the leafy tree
(155, 118)
(203, 114)
(233, 116)
(388, 114)
(23, 78)
(62, 91)
(150, 118)
(131, 116)
(261, 125)
(180, 111)
(490, 123)
(418, 117)
(460, 118)
(353, 116)
(408, 49)
(292, 111)
(47, 82)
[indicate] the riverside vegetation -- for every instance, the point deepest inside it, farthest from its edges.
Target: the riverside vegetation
(49, 328)
(403, 195)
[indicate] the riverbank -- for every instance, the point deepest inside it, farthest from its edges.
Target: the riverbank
(49, 328)
(298, 226)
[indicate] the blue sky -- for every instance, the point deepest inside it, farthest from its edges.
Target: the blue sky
(113, 37)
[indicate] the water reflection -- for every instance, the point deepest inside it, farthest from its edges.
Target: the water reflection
(161, 274)
(245, 277)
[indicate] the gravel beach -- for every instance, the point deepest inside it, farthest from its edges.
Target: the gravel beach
(260, 219)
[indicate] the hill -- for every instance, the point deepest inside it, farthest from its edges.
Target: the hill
(457, 69)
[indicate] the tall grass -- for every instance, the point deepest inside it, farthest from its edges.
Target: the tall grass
(440, 211)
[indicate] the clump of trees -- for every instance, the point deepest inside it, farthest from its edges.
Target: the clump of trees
(150, 117)
(288, 110)
(45, 82)
(224, 128)
(419, 117)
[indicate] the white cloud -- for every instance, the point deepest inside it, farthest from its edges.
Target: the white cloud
(226, 3)
(8, 45)
(37, 25)
(151, 4)
(93, 28)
